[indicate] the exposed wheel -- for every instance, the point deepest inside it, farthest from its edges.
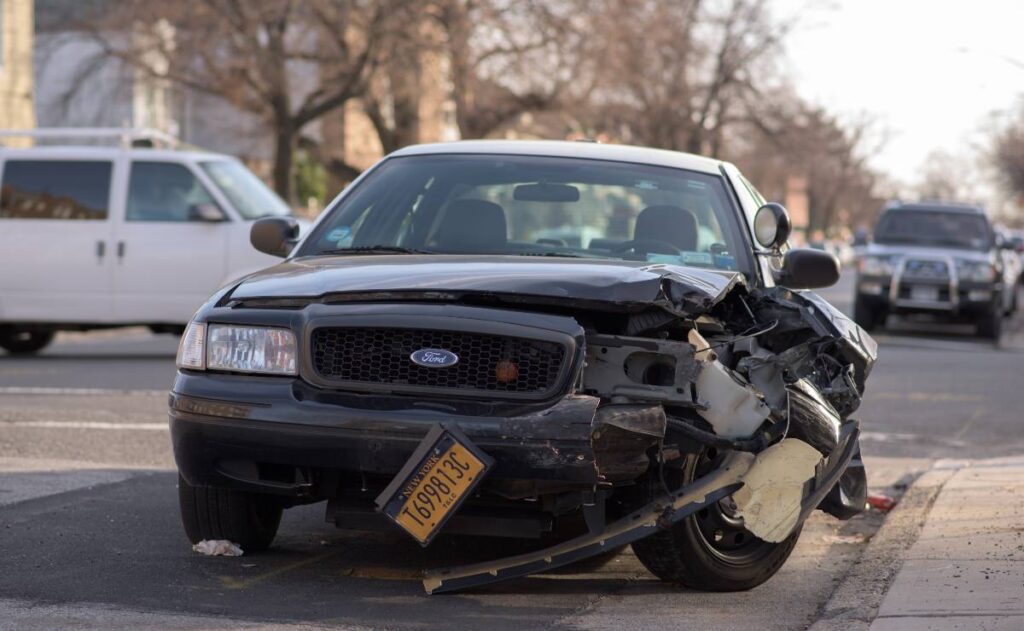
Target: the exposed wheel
(867, 316)
(248, 519)
(990, 324)
(20, 342)
(711, 550)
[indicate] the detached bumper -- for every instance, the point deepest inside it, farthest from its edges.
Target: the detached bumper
(243, 432)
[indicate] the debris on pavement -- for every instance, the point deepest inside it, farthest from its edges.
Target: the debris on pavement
(881, 502)
(218, 548)
(858, 538)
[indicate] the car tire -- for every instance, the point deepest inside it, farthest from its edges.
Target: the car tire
(247, 519)
(20, 342)
(687, 554)
(869, 318)
(990, 324)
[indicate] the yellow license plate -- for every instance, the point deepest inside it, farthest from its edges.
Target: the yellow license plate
(434, 482)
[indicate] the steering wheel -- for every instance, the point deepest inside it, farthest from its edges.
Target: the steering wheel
(644, 246)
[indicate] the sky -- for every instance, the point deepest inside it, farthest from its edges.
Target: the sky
(928, 73)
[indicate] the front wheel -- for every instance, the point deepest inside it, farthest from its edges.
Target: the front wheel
(990, 324)
(248, 519)
(711, 550)
(20, 342)
(866, 315)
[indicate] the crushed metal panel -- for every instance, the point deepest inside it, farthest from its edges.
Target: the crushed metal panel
(729, 404)
(771, 499)
(616, 367)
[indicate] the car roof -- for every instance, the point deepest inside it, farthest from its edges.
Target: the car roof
(941, 207)
(569, 149)
(79, 152)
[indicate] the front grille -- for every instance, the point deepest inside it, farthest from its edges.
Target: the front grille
(381, 356)
(926, 269)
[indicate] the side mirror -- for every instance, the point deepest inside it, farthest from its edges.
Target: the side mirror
(804, 268)
(772, 226)
(275, 236)
(210, 213)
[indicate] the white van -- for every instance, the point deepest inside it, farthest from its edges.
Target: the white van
(94, 237)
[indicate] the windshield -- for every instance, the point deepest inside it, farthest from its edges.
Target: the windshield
(536, 206)
(922, 227)
(246, 192)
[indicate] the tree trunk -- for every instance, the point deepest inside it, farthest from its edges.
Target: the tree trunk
(284, 151)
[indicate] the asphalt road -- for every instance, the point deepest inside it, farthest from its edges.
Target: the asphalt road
(91, 534)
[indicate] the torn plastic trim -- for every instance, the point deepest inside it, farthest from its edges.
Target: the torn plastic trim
(659, 514)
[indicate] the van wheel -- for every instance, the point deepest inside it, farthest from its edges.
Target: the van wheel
(248, 519)
(20, 342)
(711, 550)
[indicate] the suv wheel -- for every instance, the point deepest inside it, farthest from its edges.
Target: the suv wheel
(711, 550)
(248, 519)
(19, 342)
(990, 324)
(866, 316)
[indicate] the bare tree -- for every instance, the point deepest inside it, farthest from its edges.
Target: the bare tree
(1008, 154)
(678, 74)
(288, 62)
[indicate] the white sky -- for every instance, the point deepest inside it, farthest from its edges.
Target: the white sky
(929, 73)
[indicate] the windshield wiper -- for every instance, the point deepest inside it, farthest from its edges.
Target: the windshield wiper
(567, 255)
(376, 249)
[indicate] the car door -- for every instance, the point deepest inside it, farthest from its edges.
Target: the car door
(170, 252)
(55, 240)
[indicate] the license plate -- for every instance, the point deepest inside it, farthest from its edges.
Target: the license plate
(924, 294)
(433, 483)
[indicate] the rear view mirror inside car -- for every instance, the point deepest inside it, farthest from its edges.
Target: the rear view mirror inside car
(545, 192)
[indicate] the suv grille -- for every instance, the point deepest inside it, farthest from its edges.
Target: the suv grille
(487, 363)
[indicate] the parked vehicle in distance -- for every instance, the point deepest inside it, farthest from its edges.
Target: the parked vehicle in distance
(431, 358)
(1017, 241)
(939, 259)
(1012, 251)
(96, 237)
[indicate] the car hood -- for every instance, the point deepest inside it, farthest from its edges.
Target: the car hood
(879, 249)
(623, 282)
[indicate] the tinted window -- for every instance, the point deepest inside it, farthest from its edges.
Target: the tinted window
(55, 189)
(923, 227)
(163, 191)
(538, 206)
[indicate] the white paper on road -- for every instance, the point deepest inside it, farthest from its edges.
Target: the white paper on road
(218, 548)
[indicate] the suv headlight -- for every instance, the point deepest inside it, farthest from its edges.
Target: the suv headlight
(875, 266)
(976, 271)
(255, 349)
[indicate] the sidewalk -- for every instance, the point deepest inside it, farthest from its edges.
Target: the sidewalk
(966, 569)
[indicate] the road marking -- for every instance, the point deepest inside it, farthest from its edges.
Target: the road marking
(74, 391)
(231, 582)
(87, 425)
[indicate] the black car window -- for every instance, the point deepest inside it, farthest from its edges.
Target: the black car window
(55, 189)
(935, 228)
(538, 206)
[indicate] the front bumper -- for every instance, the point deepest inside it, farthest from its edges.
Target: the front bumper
(960, 298)
(283, 436)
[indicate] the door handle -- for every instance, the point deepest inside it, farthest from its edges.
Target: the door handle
(120, 249)
(101, 249)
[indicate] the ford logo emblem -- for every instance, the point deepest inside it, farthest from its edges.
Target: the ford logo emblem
(434, 358)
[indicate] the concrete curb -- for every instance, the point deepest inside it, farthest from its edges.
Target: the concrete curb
(856, 600)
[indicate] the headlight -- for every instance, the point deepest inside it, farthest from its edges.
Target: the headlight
(977, 271)
(876, 266)
(191, 350)
(250, 349)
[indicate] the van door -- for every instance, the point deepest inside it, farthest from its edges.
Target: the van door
(170, 252)
(55, 240)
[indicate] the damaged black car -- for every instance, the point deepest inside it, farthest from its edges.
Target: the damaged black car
(589, 345)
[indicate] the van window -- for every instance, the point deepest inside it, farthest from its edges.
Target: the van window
(55, 189)
(164, 191)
